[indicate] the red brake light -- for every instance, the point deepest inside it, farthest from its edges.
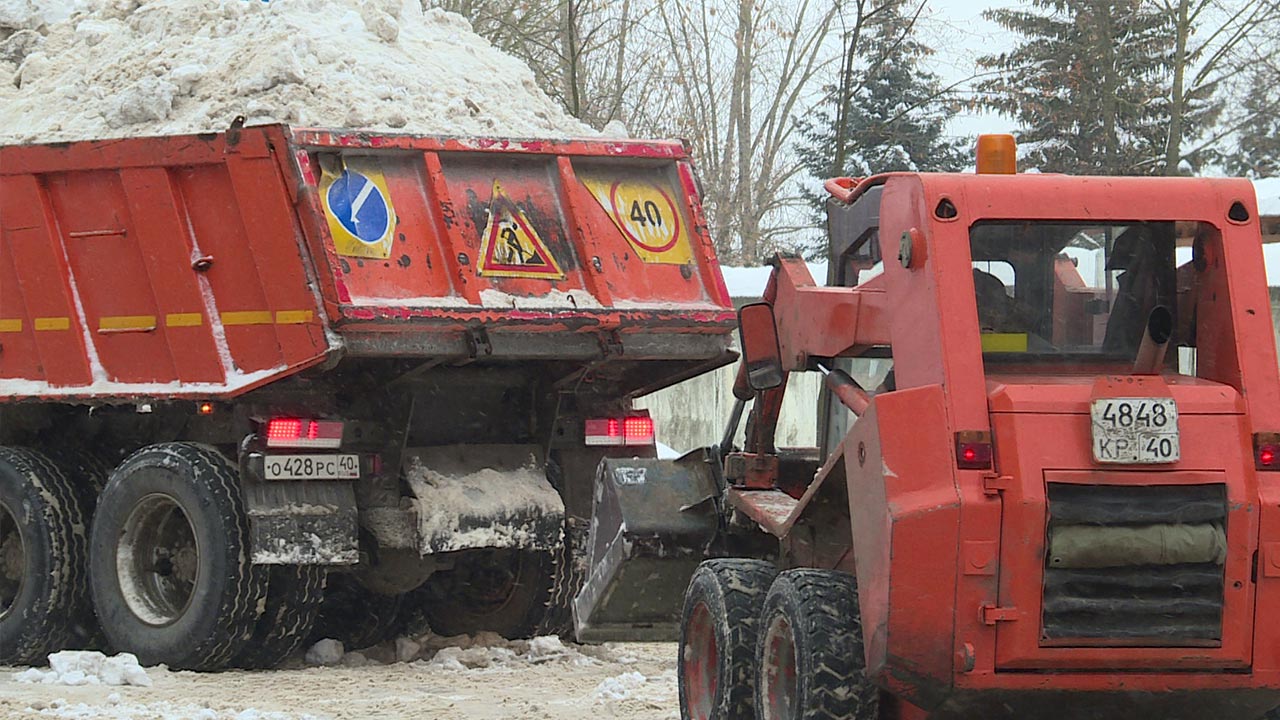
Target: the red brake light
(973, 450)
(630, 430)
(293, 432)
(1266, 451)
(638, 430)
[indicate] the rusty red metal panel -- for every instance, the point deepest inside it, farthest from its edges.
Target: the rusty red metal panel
(463, 209)
(156, 267)
(106, 264)
(37, 255)
(160, 228)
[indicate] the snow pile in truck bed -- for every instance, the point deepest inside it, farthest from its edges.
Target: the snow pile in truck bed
(118, 68)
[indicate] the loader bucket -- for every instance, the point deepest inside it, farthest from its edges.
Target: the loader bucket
(652, 521)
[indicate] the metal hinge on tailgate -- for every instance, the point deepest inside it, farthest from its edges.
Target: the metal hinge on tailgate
(610, 343)
(993, 484)
(478, 341)
(992, 614)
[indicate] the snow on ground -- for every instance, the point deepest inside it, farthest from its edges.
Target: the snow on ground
(117, 68)
(1268, 191)
(462, 678)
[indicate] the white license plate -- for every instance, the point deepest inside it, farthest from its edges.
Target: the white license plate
(312, 467)
(1135, 430)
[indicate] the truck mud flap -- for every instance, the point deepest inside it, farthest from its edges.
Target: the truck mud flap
(302, 523)
(483, 496)
(652, 521)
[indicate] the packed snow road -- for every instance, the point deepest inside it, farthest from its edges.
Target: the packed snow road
(471, 679)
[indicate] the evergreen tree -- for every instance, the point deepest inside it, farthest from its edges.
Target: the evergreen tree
(1089, 83)
(1258, 152)
(894, 111)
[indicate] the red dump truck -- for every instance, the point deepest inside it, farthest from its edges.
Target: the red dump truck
(233, 365)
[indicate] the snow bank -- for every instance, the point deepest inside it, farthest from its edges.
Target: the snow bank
(114, 709)
(463, 652)
(619, 687)
(118, 68)
(1268, 191)
(749, 282)
(87, 667)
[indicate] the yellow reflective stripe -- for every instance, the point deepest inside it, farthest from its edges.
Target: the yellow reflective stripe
(183, 319)
(294, 317)
(127, 322)
(53, 323)
(247, 317)
(10, 326)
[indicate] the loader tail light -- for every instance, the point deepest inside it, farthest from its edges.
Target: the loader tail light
(1266, 451)
(634, 429)
(973, 450)
(302, 433)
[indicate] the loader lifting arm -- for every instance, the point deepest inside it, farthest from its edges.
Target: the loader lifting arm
(813, 324)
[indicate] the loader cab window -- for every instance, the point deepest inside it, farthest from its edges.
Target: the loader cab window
(1060, 292)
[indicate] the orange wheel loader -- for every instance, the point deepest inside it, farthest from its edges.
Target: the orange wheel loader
(1047, 480)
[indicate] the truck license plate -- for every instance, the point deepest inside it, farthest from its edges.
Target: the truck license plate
(312, 467)
(1135, 430)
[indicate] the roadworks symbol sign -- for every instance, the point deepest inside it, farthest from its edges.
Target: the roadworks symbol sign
(647, 215)
(358, 207)
(510, 247)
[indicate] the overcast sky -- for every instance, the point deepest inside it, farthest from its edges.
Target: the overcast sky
(959, 34)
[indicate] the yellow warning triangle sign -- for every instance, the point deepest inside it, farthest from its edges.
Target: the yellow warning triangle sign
(510, 247)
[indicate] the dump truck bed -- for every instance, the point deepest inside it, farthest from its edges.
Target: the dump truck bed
(208, 265)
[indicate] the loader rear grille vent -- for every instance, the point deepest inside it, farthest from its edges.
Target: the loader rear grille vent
(1134, 566)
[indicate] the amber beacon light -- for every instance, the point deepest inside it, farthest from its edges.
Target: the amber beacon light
(997, 154)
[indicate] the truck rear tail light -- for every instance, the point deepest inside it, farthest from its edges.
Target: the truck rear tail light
(302, 433)
(973, 450)
(634, 429)
(1266, 451)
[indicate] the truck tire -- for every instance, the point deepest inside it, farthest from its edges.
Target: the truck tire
(294, 594)
(356, 616)
(809, 655)
(508, 592)
(43, 546)
(158, 595)
(87, 474)
(718, 628)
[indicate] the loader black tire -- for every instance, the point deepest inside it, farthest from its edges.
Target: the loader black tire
(809, 655)
(294, 595)
(356, 616)
(508, 592)
(43, 547)
(169, 564)
(718, 628)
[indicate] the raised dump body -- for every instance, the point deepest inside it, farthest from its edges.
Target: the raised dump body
(402, 357)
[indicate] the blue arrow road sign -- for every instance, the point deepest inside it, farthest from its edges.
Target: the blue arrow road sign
(357, 203)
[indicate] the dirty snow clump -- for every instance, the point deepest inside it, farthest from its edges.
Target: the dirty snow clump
(84, 69)
(87, 667)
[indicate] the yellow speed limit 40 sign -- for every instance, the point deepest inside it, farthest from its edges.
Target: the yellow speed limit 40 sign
(647, 214)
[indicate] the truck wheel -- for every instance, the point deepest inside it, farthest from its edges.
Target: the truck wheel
(169, 565)
(356, 616)
(43, 589)
(718, 638)
(87, 475)
(508, 592)
(809, 656)
(294, 594)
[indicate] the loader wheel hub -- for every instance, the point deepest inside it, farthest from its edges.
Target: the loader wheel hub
(778, 672)
(157, 560)
(701, 659)
(13, 562)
